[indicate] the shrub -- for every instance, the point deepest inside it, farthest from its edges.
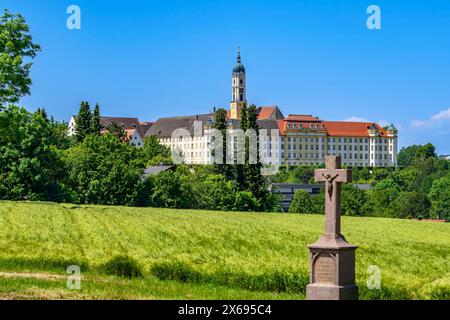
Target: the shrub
(301, 203)
(122, 266)
(245, 201)
(411, 205)
(353, 201)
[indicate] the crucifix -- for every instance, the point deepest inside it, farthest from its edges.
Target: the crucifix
(333, 176)
(332, 274)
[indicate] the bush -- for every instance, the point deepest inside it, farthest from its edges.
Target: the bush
(245, 201)
(354, 201)
(411, 205)
(440, 197)
(122, 266)
(102, 170)
(301, 203)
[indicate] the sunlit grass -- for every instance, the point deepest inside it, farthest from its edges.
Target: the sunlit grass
(241, 252)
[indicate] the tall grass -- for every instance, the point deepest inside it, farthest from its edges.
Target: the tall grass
(252, 251)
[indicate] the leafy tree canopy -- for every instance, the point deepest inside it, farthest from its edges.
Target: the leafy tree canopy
(16, 47)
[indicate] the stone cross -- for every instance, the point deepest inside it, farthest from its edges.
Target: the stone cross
(332, 274)
(333, 176)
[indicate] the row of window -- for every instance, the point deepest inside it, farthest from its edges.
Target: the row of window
(300, 126)
(345, 156)
(340, 140)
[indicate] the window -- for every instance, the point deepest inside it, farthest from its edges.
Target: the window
(241, 81)
(241, 97)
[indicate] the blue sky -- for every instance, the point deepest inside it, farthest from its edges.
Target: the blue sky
(162, 58)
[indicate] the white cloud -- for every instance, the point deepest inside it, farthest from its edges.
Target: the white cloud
(435, 120)
(356, 119)
(382, 123)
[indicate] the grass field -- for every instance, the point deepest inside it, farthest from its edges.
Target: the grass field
(185, 254)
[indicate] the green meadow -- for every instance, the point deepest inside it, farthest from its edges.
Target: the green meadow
(188, 254)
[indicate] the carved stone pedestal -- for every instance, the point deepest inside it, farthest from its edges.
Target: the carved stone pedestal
(332, 274)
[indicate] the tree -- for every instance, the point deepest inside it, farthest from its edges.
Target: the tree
(408, 154)
(16, 45)
(353, 201)
(245, 201)
(241, 180)
(155, 153)
(174, 189)
(427, 151)
(84, 121)
(382, 196)
(117, 130)
(440, 197)
(220, 123)
(102, 170)
(214, 192)
(30, 167)
(301, 203)
(96, 126)
(411, 205)
(43, 113)
(257, 184)
(58, 134)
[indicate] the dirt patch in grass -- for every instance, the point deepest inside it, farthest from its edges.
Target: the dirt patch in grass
(28, 275)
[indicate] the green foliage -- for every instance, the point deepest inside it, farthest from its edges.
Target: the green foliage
(171, 189)
(30, 165)
(213, 191)
(318, 201)
(117, 131)
(96, 126)
(123, 266)
(411, 205)
(84, 121)
(440, 197)
(301, 203)
(382, 196)
(407, 155)
(354, 201)
(220, 123)
(102, 170)
(155, 153)
(16, 46)
(245, 201)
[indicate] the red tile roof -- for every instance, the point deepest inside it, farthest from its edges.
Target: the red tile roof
(302, 117)
(266, 112)
(351, 129)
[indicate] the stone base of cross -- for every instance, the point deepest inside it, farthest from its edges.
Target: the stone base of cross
(332, 274)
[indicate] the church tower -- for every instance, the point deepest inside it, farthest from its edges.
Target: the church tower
(239, 91)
